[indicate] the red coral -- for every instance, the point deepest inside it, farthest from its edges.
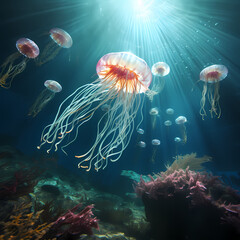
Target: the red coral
(75, 224)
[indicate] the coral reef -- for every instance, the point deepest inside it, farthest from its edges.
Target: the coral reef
(190, 205)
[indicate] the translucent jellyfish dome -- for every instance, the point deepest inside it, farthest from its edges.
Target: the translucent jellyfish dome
(177, 139)
(168, 123)
(180, 120)
(27, 47)
(61, 37)
(140, 131)
(170, 111)
(53, 86)
(156, 142)
(105, 107)
(153, 111)
(142, 144)
(160, 69)
(213, 73)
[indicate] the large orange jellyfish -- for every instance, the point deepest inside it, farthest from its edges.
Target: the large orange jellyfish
(59, 39)
(122, 77)
(45, 97)
(27, 49)
(212, 75)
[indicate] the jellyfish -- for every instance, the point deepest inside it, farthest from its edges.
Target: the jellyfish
(168, 123)
(122, 76)
(177, 139)
(212, 75)
(17, 62)
(105, 107)
(159, 70)
(170, 111)
(59, 39)
(140, 131)
(180, 121)
(154, 114)
(141, 144)
(45, 97)
(155, 144)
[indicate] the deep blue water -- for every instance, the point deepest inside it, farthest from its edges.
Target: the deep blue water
(100, 27)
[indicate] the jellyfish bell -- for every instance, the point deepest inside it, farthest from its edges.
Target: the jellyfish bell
(122, 76)
(156, 142)
(59, 39)
(27, 47)
(10, 69)
(170, 111)
(105, 107)
(53, 86)
(45, 97)
(142, 144)
(180, 120)
(153, 111)
(212, 75)
(140, 131)
(160, 69)
(177, 139)
(168, 123)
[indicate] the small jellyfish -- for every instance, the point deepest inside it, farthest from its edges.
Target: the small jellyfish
(27, 49)
(60, 39)
(212, 75)
(141, 144)
(105, 107)
(159, 70)
(140, 131)
(169, 111)
(45, 97)
(155, 143)
(168, 123)
(177, 139)
(154, 113)
(180, 121)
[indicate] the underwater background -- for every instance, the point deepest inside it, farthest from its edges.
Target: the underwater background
(188, 35)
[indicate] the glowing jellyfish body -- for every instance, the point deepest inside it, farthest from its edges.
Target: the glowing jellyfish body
(105, 107)
(181, 120)
(177, 139)
(60, 39)
(45, 97)
(168, 123)
(122, 76)
(53, 86)
(10, 69)
(169, 111)
(212, 75)
(160, 69)
(155, 142)
(142, 144)
(140, 131)
(154, 113)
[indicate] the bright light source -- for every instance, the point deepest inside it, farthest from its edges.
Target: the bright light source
(142, 8)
